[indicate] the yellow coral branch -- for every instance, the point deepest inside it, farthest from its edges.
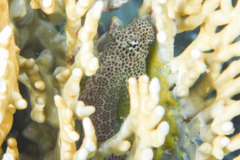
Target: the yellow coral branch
(10, 98)
(12, 150)
(85, 58)
(47, 6)
(74, 13)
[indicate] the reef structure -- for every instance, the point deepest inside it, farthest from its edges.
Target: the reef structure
(186, 106)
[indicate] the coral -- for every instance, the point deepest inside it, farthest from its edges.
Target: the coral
(186, 107)
(68, 105)
(207, 53)
(10, 97)
(47, 6)
(12, 150)
(85, 34)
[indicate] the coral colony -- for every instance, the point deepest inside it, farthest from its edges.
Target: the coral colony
(71, 91)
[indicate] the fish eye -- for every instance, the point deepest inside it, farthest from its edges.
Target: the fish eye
(132, 43)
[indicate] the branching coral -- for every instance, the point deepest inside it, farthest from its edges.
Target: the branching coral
(47, 6)
(12, 150)
(82, 35)
(207, 53)
(56, 57)
(39, 87)
(10, 98)
(68, 107)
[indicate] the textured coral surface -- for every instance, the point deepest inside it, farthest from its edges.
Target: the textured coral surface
(71, 89)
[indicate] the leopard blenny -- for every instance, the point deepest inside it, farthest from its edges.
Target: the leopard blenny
(123, 56)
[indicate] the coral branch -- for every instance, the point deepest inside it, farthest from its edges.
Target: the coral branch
(68, 108)
(12, 150)
(85, 58)
(10, 98)
(166, 30)
(47, 6)
(74, 12)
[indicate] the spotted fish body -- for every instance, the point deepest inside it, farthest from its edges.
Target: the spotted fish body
(123, 56)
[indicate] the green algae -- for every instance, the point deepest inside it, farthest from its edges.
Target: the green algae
(154, 69)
